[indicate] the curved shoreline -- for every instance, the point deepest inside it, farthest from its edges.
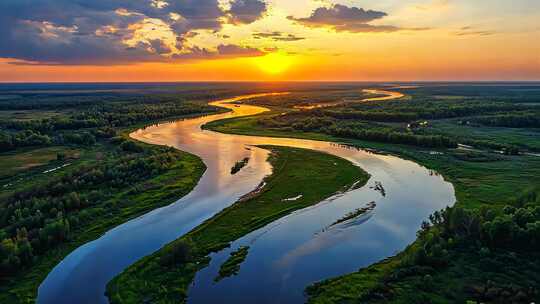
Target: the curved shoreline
(214, 193)
(387, 95)
(390, 95)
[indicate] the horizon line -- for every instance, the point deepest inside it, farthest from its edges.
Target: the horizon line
(272, 81)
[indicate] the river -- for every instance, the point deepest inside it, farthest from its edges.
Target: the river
(285, 256)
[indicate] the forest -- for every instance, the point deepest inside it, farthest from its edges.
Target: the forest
(497, 247)
(83, 124)
(411, 121)
(352, 128)
(105, 182)
(37, 219)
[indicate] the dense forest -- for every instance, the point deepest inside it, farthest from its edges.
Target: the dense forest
(38, 219)
(83, 125)
(525, 120)
(498, 249)
(352, 128)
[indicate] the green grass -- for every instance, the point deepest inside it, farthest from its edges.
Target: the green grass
(159, 191)
(521, 137)
(248, 126)
(25, 115)
(232, 265)
(21, 178)
(349, 288)
(15, 162)
(385, 282)
(293, 174)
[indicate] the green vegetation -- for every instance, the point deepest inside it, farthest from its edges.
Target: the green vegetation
(42, 225)
(354, 214)
(522, 138)
(19, 115)
(407, 122)
(479, 177)
(86, 124)
(239, 165)
(232, 265)
(158, 279)
(488, 118)
(70, 173)
(16, 162)
(485, 249)
(498, 251)
(476, 183)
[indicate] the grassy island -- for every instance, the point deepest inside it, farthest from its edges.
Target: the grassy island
(232, 265)
(166, 275)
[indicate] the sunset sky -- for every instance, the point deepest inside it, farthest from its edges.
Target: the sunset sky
(257, 40)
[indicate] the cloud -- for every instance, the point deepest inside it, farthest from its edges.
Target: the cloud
(472, 31)
(159, 47)
(277, 36)
(222, 51)
(342, 18)
(235, 50)
(339, 15)
(247, 11)
(110, 31)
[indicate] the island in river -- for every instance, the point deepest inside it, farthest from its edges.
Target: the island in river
(159, 278)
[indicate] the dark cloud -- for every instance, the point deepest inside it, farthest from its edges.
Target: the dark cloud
(247, 11)
(93, 31)
(339, 15)
(222, 51)
(342, 18)
(277, 36)
(231, 50)
(159, 47)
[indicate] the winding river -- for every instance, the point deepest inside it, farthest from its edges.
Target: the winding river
(285, 256)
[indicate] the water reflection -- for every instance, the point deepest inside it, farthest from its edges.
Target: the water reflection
(286, 255)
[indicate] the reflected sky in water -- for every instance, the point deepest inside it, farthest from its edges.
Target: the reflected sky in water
(286, 255)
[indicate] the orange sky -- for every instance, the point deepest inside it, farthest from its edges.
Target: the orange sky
(433, 40)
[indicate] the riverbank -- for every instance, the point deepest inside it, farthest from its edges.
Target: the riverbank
(120, 207)
(476, 183)
(293, 173)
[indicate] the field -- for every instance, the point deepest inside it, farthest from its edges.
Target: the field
(14, 163)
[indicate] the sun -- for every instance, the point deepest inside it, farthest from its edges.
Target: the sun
(274, 63)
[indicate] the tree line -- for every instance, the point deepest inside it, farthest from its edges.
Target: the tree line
(504, 238)
(524, 120)
(350, 128)
(84, 126)
(37, 219)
